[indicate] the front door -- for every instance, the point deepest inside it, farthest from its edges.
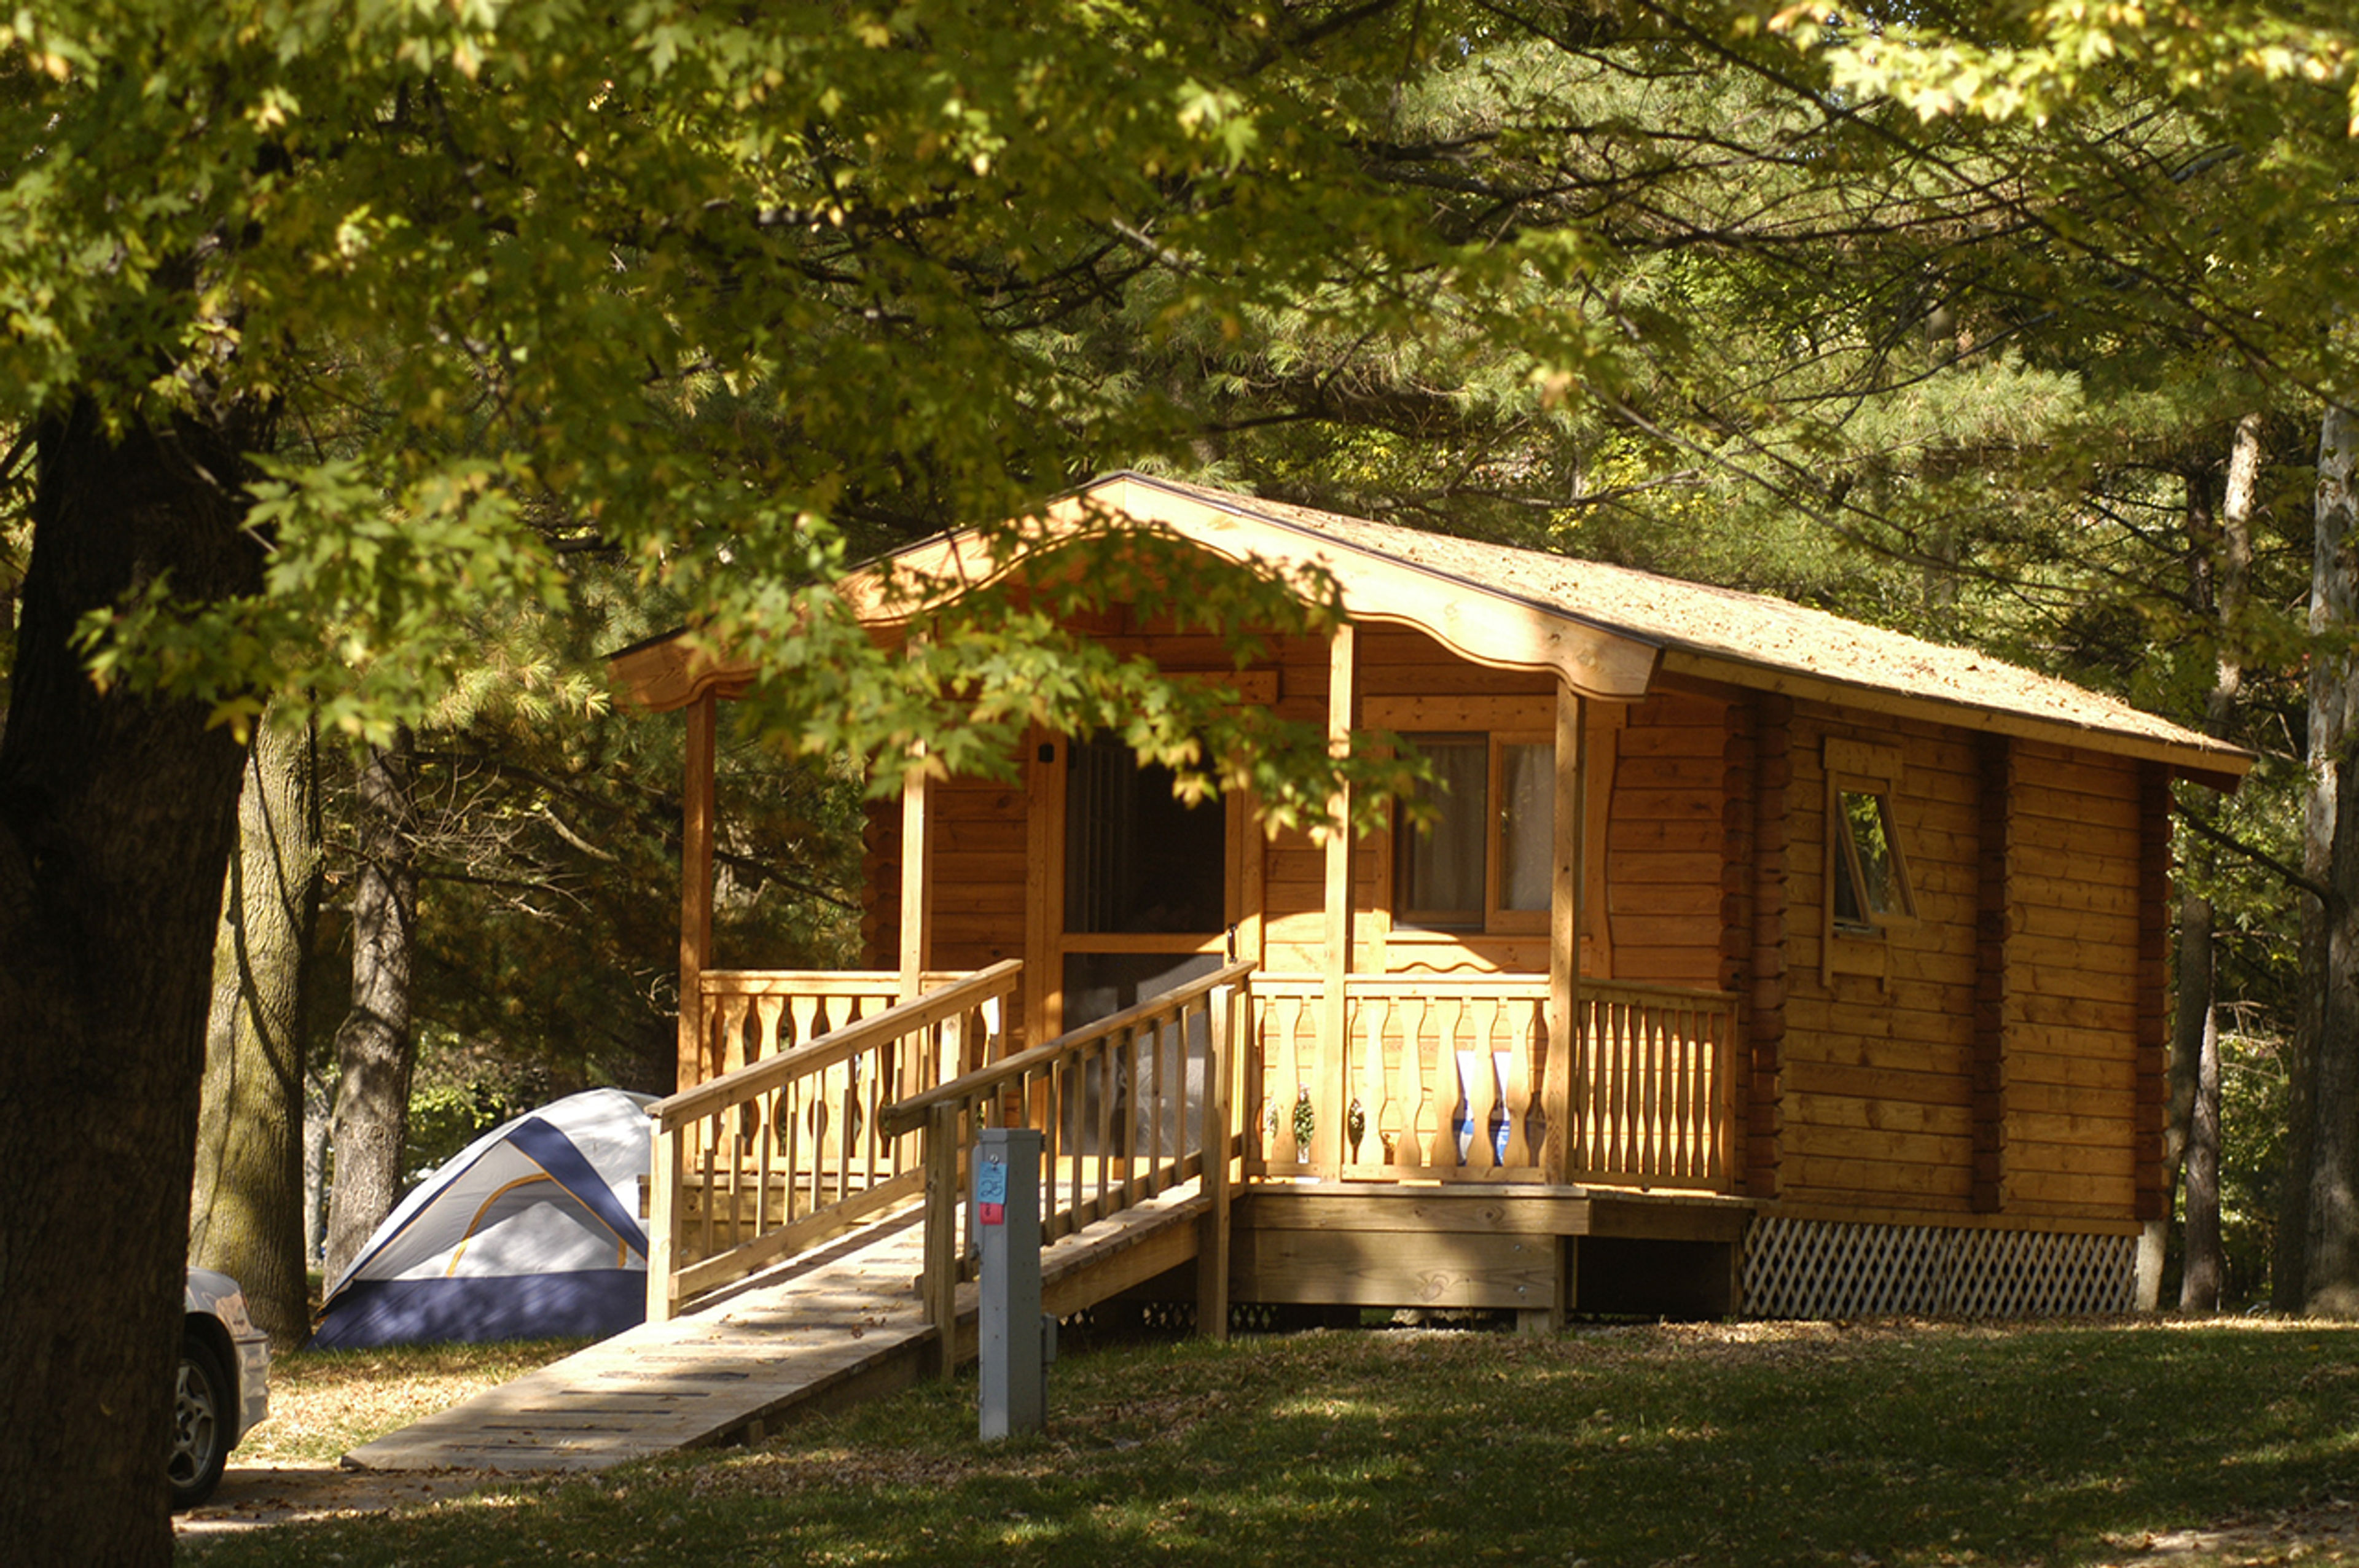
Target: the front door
(1143, 903)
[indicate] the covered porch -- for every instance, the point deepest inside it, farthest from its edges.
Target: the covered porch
(1430, 1015)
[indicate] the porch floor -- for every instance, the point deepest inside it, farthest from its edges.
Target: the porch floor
(833, 1327)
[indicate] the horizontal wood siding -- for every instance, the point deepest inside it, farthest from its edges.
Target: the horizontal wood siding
(977, 885)
(2072, 949)
(1876, 1089)
(1667, 843)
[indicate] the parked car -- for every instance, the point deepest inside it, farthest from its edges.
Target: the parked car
(224, 1387)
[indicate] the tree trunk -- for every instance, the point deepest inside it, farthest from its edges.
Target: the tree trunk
(316, 1122)
(374, 1048)
(2330, 1261)
(2221, 573)
(2191, 968)
(245, 1213)
(118, 815)
(2199, 1280)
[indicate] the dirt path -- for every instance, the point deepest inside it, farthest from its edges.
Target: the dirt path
(254, 1496)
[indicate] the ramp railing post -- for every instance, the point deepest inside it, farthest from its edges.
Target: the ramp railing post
(1225, 1005)
(938, 1286)
(663, 1223)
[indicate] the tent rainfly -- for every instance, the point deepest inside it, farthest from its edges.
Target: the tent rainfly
(531, 1232)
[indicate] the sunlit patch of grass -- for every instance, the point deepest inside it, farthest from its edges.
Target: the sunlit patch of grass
(323, 1403)
(1910, 1445)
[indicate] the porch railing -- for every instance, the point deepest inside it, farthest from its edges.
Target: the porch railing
(750, 1014)
(1439, 1079)
(1128, 1108)
(1653, 1091)
(1436, 1078)
(788, 1149)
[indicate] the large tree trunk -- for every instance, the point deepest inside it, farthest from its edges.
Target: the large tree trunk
(374, 1048)
(117, 812)
(2330, 1261)
(246, 1213)
(2223, 570)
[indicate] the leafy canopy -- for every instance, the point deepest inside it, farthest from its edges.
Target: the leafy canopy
(732, 296)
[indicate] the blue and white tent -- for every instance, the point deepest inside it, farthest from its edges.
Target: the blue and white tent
(530, 1233)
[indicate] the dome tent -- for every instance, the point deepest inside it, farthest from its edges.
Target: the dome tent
(531, 1231)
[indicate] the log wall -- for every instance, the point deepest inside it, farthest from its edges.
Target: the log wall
(1877, 1069)
(1986, 1058)
(1667, 842)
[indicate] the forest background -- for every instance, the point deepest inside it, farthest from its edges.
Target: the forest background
(372, 370)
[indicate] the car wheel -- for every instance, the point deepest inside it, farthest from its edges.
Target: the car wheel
(202, 1407)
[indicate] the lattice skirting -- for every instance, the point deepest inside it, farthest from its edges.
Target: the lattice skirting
(1814, 1267)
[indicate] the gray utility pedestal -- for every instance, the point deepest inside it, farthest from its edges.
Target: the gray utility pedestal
(1013, 1344)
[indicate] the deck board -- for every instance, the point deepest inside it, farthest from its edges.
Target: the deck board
(838, 1325)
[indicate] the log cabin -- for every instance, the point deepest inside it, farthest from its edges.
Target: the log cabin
(1755, 961)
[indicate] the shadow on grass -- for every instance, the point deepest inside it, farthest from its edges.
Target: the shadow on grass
(1743, 1444)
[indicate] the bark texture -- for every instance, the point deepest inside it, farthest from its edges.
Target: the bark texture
(2330, 1286)
(2207, 1263)
(245, 1214)
(2221, 557)
(374, 1047)
(117, 812)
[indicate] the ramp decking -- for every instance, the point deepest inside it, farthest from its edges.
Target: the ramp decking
(834, 1327)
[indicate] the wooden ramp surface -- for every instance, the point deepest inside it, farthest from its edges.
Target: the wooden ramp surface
(836, 1325)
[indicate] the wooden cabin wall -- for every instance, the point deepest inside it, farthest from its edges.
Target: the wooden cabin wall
(880, 884)
(1992, 1068)
(1877, 1072)
(1666, 845)
(2069, 1089)
(1294, 869)
(977, 873)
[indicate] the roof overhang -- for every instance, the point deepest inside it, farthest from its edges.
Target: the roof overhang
(1478, 623)
(1486, 624)
(2220, 766)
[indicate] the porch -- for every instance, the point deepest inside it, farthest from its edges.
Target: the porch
(1386, 1140)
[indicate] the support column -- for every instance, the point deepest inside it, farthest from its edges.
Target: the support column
(1336, 1076)
(1568, 918)
(917, 923)
(696, 887)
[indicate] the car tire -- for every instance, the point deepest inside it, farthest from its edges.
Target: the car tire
(204, 1406)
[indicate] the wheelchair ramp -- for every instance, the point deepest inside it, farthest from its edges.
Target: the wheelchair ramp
(834, 1327)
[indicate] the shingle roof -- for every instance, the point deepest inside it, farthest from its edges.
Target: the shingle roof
(1727, 633)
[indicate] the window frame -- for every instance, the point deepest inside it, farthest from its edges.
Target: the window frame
(1494, 919)
(1856, 768)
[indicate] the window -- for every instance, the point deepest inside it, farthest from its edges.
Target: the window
(1868, 889)
(1868, 893)
(1485, 860)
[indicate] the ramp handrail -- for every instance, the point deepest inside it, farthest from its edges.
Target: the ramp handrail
(794, 1145)
(1173, 1103)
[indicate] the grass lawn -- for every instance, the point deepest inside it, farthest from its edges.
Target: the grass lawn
(1739, 1443)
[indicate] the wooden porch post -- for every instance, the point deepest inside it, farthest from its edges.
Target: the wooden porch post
(1336, 1080)
(916, 923)
(1567, 918)
(695, 888)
